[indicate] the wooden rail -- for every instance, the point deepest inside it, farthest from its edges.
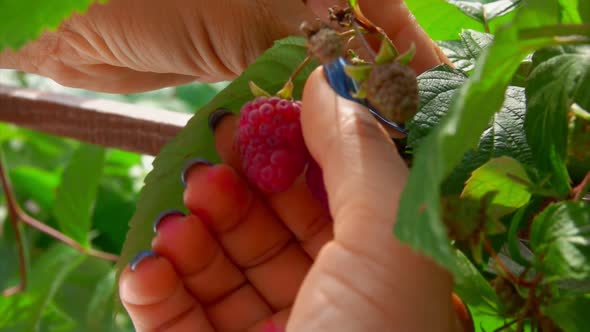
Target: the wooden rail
(103, 122)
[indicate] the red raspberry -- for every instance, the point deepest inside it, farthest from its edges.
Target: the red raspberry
(315, 182)
(270, 142)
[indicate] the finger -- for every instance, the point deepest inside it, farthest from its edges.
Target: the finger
(155, 298)
(310, 223)
(197, 257)
(394, 17)
(230, 303)
(248, 231)
(364, 176)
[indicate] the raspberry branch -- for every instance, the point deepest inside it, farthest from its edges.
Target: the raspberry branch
(13, 213)
(17, 215)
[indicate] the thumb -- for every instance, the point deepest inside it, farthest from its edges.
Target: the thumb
(363, 172)
(364, 175)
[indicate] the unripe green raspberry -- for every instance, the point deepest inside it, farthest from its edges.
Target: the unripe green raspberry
(392, 88)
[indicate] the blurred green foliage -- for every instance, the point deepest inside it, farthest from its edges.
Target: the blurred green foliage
(68, 291)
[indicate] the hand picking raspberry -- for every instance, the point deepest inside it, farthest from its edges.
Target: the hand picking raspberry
(275, 259)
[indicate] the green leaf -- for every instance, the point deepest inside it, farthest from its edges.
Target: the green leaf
(76, 194)
(485, 10)
(504, 136)
(27, 311)
(35, 184)
(24, 20)
(457, 54)
(507, 178)
(476, 42)
(570, 314)
(569, 11)
(163, 188)
(419, 217)
(584, 10)
(86, 296)
(553, 86)
(560, 239)
(440, 19)
(474, 289)
(464, 53)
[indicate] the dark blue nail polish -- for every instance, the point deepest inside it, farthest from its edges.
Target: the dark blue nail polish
(189, 165)
(216, 116)
(346, 87)
(140, 257)
(165, 214)
(338, 80)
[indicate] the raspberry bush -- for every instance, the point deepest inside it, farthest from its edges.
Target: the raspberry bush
(498, 146)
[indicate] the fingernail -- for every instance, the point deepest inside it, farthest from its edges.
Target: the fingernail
(165, 214)
(338, 80)
(216, 116)
(140, 257)
(189, 165)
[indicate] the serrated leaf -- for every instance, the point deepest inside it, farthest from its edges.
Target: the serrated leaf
(475, 42)
(419, 217)
(464, 53)
(457, 54)
(485, 10)
(25, 312)
(570, 314)
(507, 178)
(24, 20)
(503, 137)
(474, 289)
(440, 19)
(77, 191)
(552, 87)
(560, 239)
(163, 189)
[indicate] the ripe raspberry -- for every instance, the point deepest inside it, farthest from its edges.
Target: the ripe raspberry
(315, 182)
(270, 142)
(392, 89)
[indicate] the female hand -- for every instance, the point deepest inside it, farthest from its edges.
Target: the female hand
(135, 45)
(246, 261)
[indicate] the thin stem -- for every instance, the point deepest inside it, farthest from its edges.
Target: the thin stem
(364, 41)
(13, 211)
(582, 189)
(27, 219)
(299, 68)
(18, 215)
(486, 24)
(506, 325)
